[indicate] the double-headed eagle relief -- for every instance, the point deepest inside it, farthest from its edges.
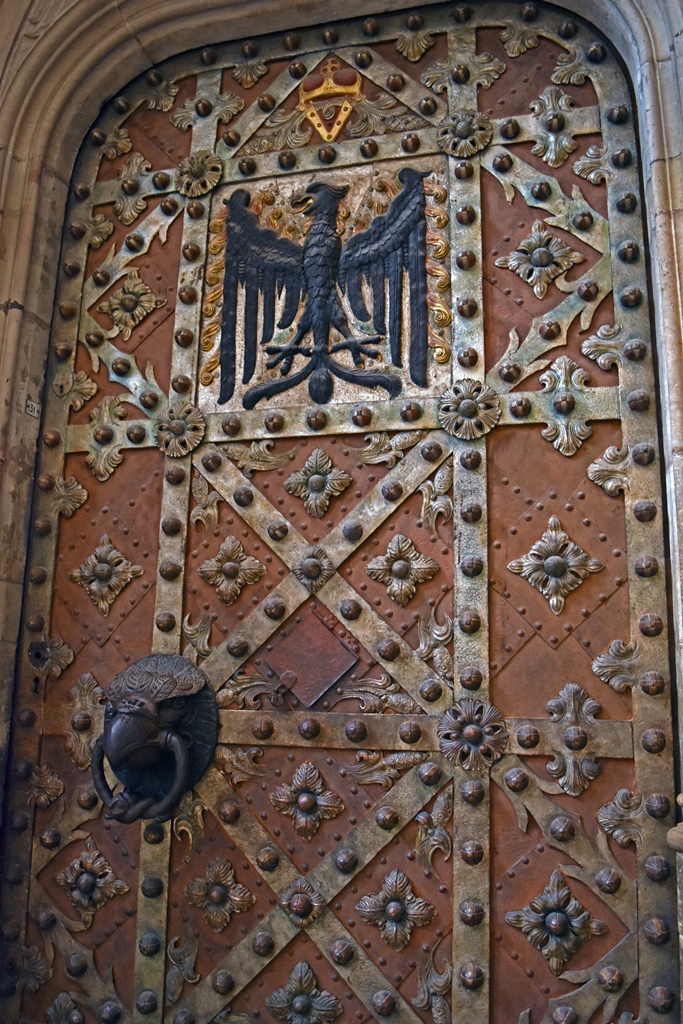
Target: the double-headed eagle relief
(381, 271)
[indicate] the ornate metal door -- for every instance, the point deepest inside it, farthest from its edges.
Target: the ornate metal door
(350, 402)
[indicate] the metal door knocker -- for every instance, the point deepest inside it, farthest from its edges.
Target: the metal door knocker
(160, 735)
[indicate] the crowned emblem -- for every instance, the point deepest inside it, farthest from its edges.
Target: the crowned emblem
(327, 96)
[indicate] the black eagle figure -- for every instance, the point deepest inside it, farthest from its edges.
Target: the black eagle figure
(264, 265)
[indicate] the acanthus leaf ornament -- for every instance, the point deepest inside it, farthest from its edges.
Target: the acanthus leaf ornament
(301, 902)
(554, 146)
(259, 457)
(206, 508)
(396, 910)
(68, 496)
(469, 409)
(231, 570)
(248, 71)
(620, 817)
(50, 656)
(485, 71)
(75, 389)
(85, 701)
(373, 767)
(377, 696)
(198, 636)
(160, 93)
(566, 380)
(433, 987)
(34, 970)
(103, 457)
(306, 801)
(571, 69)
(401, 569)
(517, 39)
(572, 768)
(604, 347)
(224, 109)
(413, 45)
(98, 229)
(182, 952)
(314, 569)
(432, 834)
(198, 173)
(240, 765)
(555, 565)
(129, 306)
(436, 500)
(44, 787)
(472, 734)
(555, 923)
(218, 894)
(612, 471)
(317, 483)
(539, 258)
(616, 666)
(104, 574)
(300, 1001)
(388, 449)
(129, 203)
(90, 882)
(180, 429)
(594, 166)
(189, 821)
(464, 133)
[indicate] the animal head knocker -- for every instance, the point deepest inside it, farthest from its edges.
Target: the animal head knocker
(160, 735)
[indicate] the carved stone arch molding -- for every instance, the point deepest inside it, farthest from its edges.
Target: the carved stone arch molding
(409, 816)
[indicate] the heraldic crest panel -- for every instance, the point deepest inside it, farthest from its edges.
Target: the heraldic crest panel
(344, 685)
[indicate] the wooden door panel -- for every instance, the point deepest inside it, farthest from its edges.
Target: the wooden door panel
(380, 458)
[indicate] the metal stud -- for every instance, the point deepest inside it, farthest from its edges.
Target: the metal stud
(267, 859)
(643, 454)
(472, 791)
(431, 690)
(652, 683)
(470, 678)
(383, 1003)
(650, 625)
(356, 730)
(658, 805)
(387, 818)
(391, 490)
(429, 773)
(263, 728)
(368, 148)
(528, 737)
(341, 952)
(509, 129)
(223, 983)
(471, 975)
(309, 728)
(389, 649)
(562, 828)
(608, 880)
(657, 868)
(410, 411)
(350, 609)
(502, 163)
(229, 812)
(469, 621)
(472, 852)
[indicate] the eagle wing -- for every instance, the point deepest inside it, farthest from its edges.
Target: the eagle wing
(394, 242)
(264, 264)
